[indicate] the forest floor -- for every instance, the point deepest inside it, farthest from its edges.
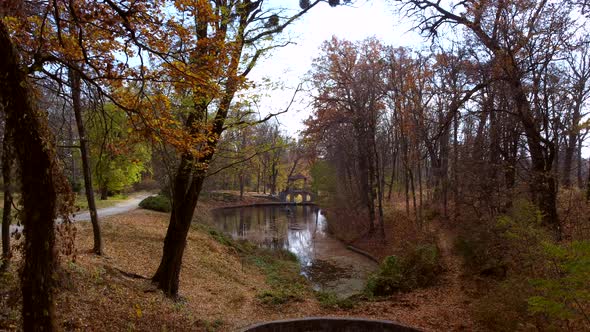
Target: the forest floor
(220, 289)
(445, 306)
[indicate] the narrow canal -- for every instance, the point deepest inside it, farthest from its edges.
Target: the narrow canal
(325, 261)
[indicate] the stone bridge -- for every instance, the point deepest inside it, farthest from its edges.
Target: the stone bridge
(290, 194)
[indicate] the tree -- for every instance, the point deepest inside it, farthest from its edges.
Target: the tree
(7, 168)
(75, 83)
(45, 191)
(118, 158)
(219, 51)
(520, 37)
(349, 104)
(578, 80)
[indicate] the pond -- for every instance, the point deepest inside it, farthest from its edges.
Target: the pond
(302, 230)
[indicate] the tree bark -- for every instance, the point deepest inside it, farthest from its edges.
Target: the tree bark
(40, 177)
(543, 184)
(365, 174)
(579, 168)
(76, 103)
(241, 176)
(185, 196)
(7, 160)
(104, 192)
(568, 160)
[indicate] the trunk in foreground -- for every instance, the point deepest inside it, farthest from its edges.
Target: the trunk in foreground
(185, 196)
(39, 172)
(7, 159)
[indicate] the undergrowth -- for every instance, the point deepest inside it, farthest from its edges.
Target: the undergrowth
(417, 268)
(530, 281)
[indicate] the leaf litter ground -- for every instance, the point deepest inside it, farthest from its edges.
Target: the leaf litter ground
(219, 290)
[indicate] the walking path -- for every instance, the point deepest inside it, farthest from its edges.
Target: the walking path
(122, 207)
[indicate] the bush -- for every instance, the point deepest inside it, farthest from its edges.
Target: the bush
(419, 268)
(563, 293)
(544, 283)
(157, 203)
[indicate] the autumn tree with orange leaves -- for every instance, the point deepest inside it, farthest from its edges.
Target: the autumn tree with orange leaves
(347, 109)
(142, 59)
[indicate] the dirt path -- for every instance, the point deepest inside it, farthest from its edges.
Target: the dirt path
(129, 204)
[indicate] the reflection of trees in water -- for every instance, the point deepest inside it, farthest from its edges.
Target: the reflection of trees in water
(287, 227)
(241, 227)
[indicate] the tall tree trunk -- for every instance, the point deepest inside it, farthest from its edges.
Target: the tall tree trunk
(407, 190)
(241, 185)
(365, 174)
(188, 180)
(568, 158)
(580, 166)
(40, 177)
(543, 185)
(258, 180)
(455, 166)
(76, 103)
(380, 189)
(414, 204)
(184, 201)
(7, 160)
(421, 199)
(104, 192)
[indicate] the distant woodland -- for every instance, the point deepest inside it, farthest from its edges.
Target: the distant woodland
(464, 162)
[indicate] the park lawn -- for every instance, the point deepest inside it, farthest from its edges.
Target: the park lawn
(82, 204)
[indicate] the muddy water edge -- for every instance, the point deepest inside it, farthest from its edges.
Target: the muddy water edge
(302, 229)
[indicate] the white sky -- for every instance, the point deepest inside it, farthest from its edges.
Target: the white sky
(288, 65)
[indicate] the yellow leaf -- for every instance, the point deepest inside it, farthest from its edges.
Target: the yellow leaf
(138, 311)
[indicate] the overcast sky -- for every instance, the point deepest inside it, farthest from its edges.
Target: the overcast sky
(288, 65)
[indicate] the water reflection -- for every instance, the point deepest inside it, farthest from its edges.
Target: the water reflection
(302, 230)
(287, 227)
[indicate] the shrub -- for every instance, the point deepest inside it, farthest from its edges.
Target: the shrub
(157, 203)
(387, 280)
(418, 268)
(545, 284)
(564, 292)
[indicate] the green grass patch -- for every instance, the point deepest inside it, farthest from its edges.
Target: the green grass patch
(82, 203)
(281, 268)
(329, 300)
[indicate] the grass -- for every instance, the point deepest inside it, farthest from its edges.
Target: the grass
(82, 203)
(280, 267)
(329, 300)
